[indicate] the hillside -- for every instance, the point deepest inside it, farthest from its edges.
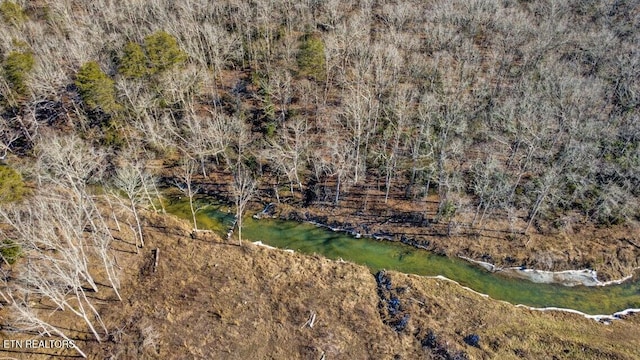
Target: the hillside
(212, 299)
(511, 126)
(504, 131)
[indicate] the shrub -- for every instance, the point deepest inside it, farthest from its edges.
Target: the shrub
(12, 13)
(10, 251)
(96, 88)
(163, 51)
(11, 185)
(113, 134)
(270, 129)
(311, 61)
(17, 67)
(133, 63)
(448, 209)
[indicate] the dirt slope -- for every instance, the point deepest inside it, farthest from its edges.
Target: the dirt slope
(213, 300)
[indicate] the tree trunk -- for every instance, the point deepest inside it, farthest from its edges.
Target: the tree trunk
(135, 214)
(337, 191)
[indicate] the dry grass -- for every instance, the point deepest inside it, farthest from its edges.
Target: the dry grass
(210, 299)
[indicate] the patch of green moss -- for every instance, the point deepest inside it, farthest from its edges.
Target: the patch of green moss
(12, 13)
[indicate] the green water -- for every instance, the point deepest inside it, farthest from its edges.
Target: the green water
(309, 239)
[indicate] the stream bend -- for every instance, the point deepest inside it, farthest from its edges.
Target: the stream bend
(592, 301)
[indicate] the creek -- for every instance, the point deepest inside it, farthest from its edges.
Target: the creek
(377, 255)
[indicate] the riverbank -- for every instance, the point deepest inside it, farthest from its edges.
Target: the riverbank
(584, 277)
(335, 243)
(209, 298)
(572, 244)
(571, 277)
(246, 291)
(611, 253)
(604, 318)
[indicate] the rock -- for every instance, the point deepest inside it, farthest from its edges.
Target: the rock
(394, 305)
(269, 211)
(472, 340)
(430, 341)
(383, 281)
(402, 323)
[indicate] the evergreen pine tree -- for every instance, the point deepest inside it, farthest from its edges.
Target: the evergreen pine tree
(17, 67)
(133, 63)
(311, 61)
(96, 88)
(163, 51)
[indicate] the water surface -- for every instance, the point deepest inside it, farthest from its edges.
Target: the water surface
(377, 255)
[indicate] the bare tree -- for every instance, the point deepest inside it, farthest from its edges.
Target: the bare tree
(401, 112)
(422, 154)
(445, 119)
(280, 85)
(244, 188)
(287, 150)
(359, 116)
(490, 186)
(69, 162)
(68, 166)
(185, 184)
(26, 319)
(155, 129)
(51, 230)
(341, 161)
(7, 137)
(207, 137)
(546, 189)
(128, 179)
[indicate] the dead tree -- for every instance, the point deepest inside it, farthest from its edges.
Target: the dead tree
(128, 180)
(244, 187)
(185, 184)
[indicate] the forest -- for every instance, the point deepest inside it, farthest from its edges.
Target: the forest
(520, 116)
